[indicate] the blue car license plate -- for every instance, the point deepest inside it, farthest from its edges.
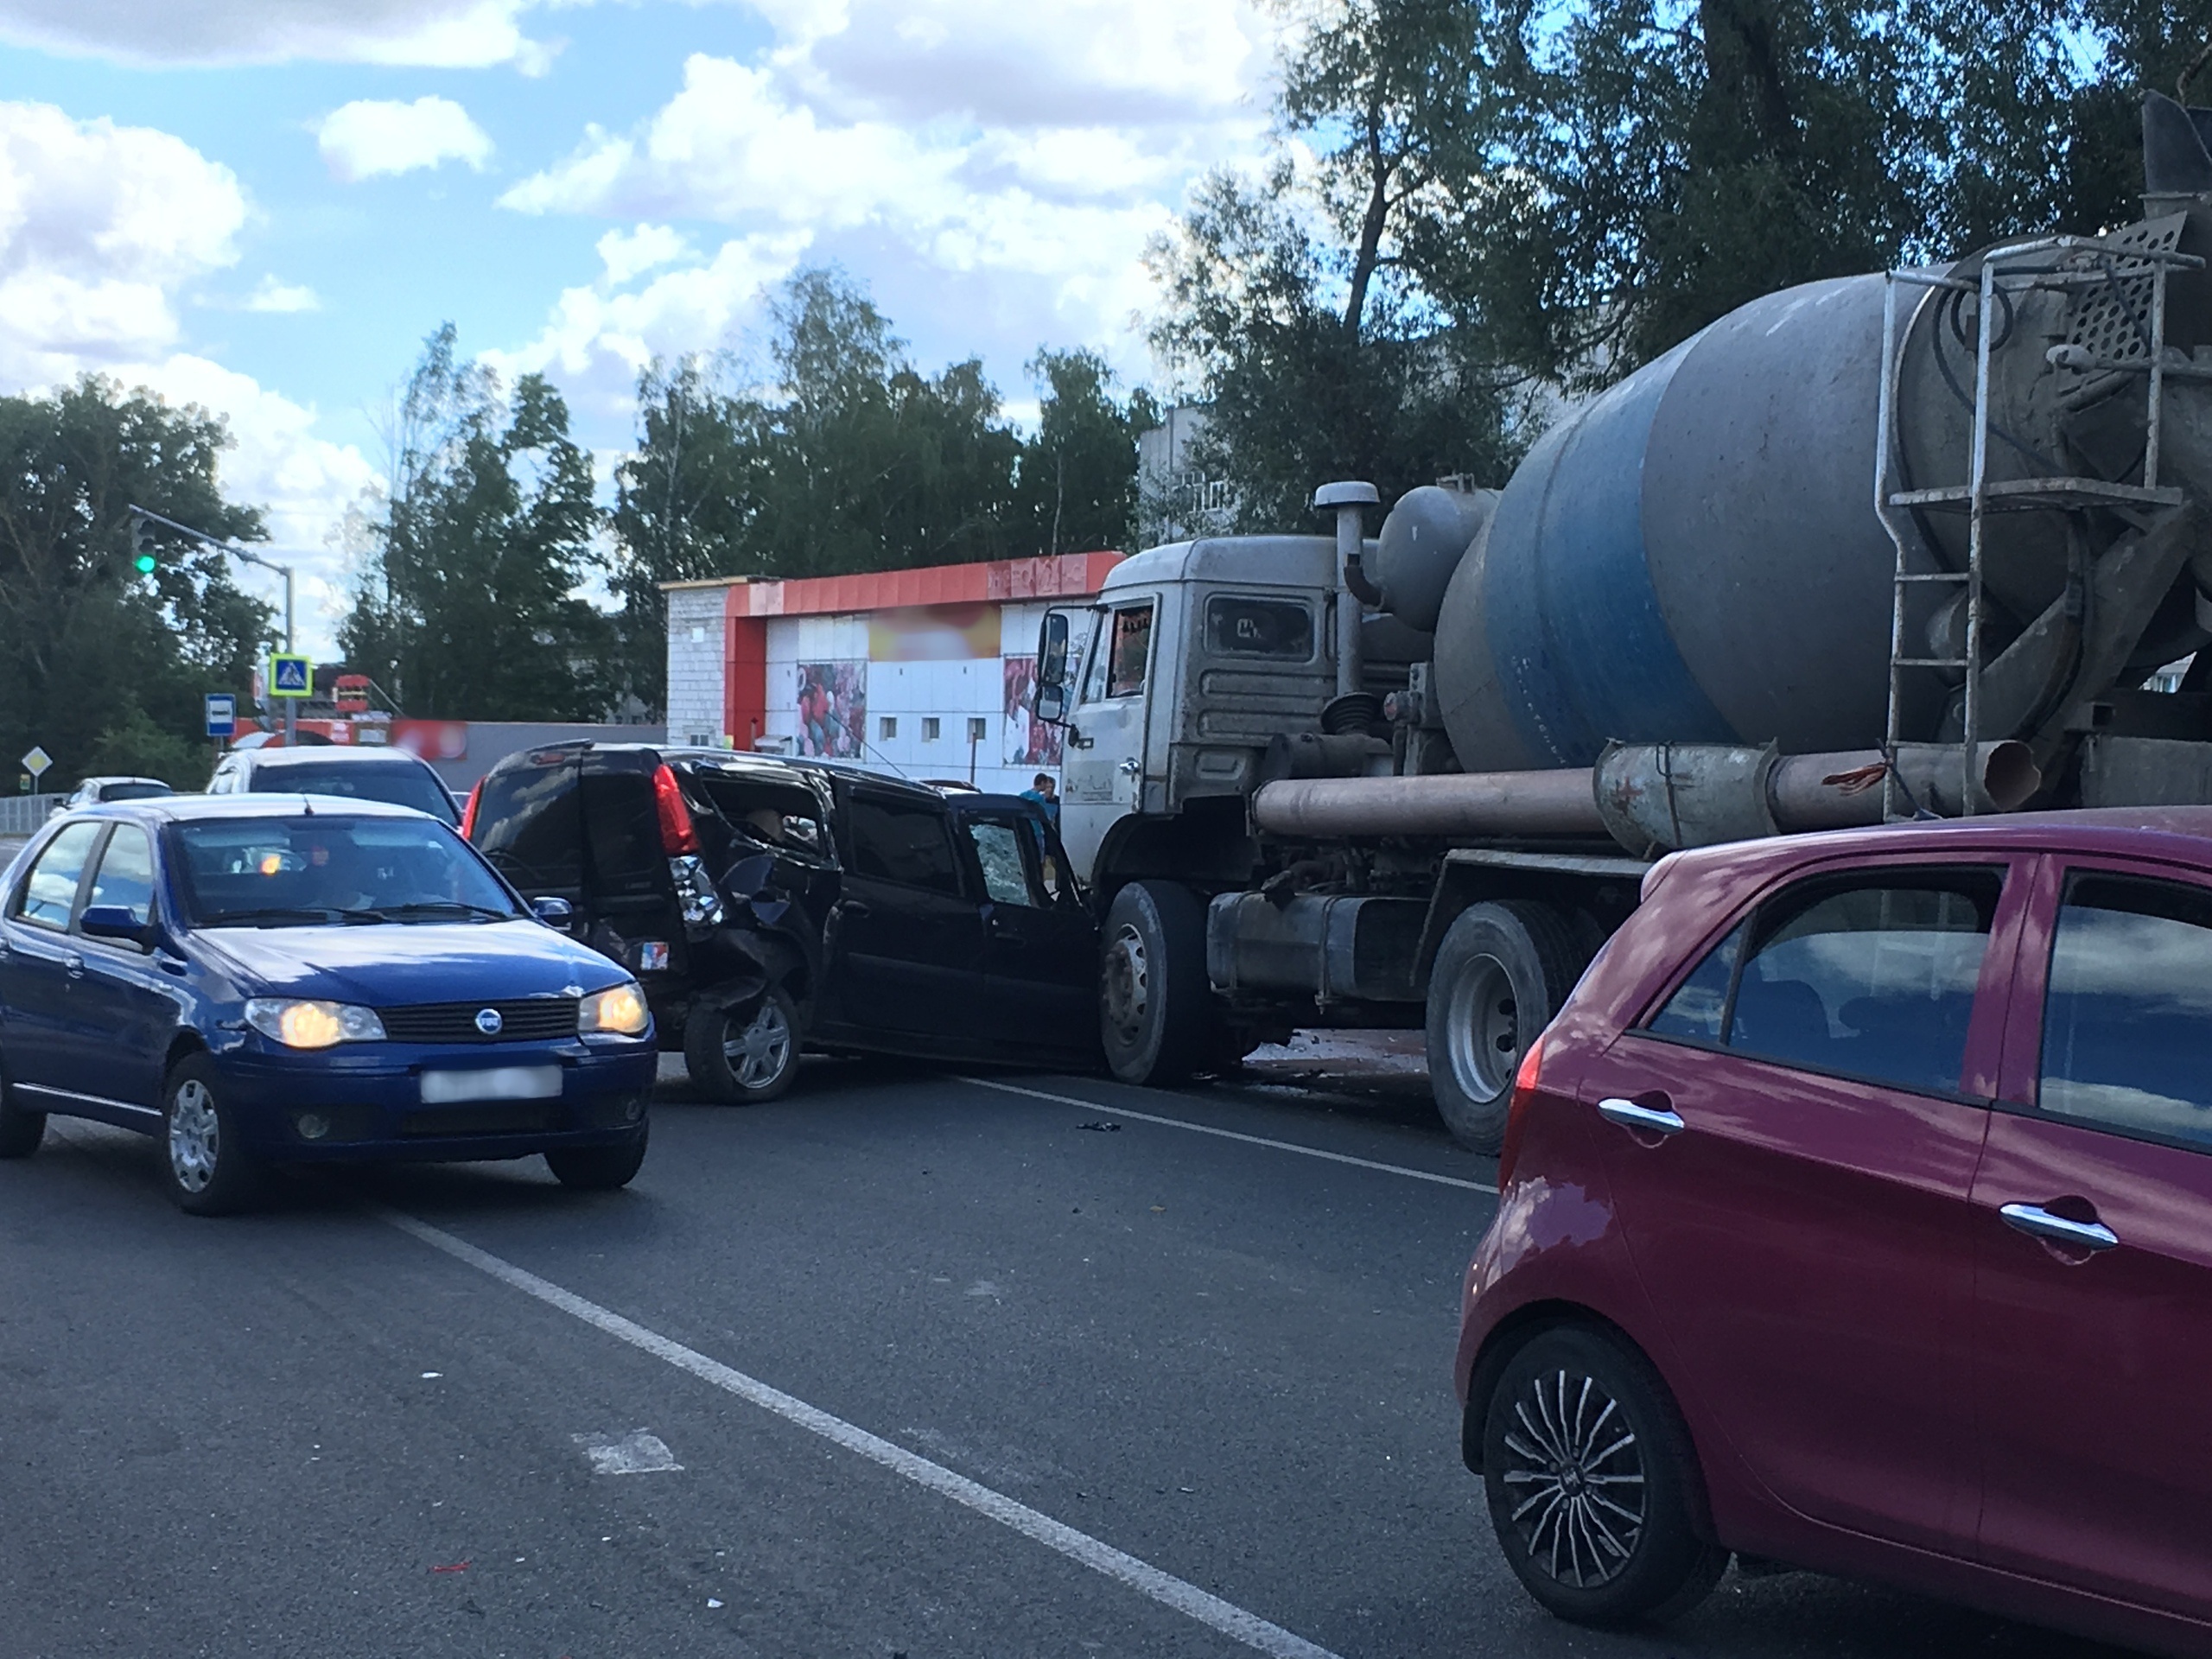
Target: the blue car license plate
(492, 1083)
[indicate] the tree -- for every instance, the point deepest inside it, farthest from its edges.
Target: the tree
(1076, 483)
(102, 666)
(852, 459)
(1614, 175)
(467, 608)
(1293, 302)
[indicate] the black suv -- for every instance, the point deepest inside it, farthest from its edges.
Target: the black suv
(768, 905)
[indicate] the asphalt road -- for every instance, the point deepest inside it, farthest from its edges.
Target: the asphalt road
(948, 1369)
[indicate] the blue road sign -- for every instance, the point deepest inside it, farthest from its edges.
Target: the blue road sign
(222, 713)
(290, 677)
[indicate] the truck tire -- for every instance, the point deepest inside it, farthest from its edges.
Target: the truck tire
(1500, 975)
(1154, 1004)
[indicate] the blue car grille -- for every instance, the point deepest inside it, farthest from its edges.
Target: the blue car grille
(535, 1020)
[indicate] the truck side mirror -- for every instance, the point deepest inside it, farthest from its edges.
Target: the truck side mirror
(1050, 701)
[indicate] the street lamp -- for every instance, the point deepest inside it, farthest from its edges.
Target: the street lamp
(144, 562)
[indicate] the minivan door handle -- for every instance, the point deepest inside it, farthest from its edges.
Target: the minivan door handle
(1656, 1120)
(2038, 1223)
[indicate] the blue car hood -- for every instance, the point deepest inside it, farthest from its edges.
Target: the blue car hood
(391, 965)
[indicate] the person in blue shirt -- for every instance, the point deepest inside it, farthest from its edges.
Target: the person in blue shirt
(1046, 794)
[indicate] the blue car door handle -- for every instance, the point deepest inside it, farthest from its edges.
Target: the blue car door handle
(74, 963)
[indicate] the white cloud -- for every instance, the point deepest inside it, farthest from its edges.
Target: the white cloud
(599, 338)
(273, 296)
(1020, 154)
(100, 227)
(626, 254)
(440, 33)
(103, 230)
(370, 137)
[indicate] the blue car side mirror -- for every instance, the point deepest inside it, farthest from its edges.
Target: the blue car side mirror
(117, 923)
(554, 913)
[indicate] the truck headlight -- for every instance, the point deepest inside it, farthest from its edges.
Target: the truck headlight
(620, 1010)
(299, 1023)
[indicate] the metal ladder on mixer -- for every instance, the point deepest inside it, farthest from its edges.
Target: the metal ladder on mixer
(2142, 257)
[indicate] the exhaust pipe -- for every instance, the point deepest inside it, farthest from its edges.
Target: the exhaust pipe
(1652, 797)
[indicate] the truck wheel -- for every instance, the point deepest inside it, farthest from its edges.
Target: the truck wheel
(1154, 1000)
(1500, 973)
(744, 1059)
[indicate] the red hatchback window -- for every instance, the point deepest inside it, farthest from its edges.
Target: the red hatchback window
(2127, 1021)
(1868, 975)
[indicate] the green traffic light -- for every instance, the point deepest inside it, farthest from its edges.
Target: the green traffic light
(146, 563)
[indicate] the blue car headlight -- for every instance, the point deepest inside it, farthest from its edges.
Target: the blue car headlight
(619, 1010)
(298, 1022)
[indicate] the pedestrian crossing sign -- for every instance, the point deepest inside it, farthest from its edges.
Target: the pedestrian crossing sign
(291, 676)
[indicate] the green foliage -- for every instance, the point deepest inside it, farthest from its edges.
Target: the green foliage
(855, 459)
(1294, 303)
(98, 662)
(1614, 175)
(1076, 484)
(467, 609)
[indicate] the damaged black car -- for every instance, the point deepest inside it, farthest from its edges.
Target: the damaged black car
(771, 907)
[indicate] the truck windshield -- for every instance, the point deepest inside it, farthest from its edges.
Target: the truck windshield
(315, 870)
(1127, 652)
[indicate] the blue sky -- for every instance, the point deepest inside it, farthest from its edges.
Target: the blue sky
(264, 205)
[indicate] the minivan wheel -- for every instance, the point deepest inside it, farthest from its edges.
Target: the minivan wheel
(208, 1169)
(1153, 997)
(1593, 1484)
(1501, 973)
(744, 1059)
(19, 1131)
(598, 1169)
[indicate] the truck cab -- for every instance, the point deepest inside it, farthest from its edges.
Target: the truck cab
(1169, 687)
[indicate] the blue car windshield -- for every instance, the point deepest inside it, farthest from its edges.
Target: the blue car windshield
(320, 869)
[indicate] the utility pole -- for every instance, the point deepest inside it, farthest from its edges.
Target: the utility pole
(291, 705)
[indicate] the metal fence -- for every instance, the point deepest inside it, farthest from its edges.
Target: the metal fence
(20, 815)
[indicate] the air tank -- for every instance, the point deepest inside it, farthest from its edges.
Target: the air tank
(1696, 556)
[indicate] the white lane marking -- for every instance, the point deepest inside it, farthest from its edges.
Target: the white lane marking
(1482, 1187)
(640, 1451)
(1184, 1597)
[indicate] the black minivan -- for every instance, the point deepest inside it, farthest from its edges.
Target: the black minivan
(769, 905)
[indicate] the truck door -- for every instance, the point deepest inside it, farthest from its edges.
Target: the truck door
(1102, 774)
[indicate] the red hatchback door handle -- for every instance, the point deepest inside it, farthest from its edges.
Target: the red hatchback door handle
(2038, 1223)
(1655, 1119)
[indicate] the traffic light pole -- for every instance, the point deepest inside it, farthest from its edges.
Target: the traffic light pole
(291, 704)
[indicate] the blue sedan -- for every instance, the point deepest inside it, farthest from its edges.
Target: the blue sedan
(275, 980)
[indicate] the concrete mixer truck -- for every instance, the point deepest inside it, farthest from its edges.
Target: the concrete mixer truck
(1896, 545)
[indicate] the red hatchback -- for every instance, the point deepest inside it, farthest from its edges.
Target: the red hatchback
(1856, 1213)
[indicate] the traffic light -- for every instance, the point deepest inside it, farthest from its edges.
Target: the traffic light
(143, 557)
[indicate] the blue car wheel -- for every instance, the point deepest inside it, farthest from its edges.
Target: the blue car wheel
(209, 1169)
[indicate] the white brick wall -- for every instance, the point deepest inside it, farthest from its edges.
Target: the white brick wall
(695, 665)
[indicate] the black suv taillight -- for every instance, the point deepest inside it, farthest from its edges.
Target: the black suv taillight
(679, 837)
